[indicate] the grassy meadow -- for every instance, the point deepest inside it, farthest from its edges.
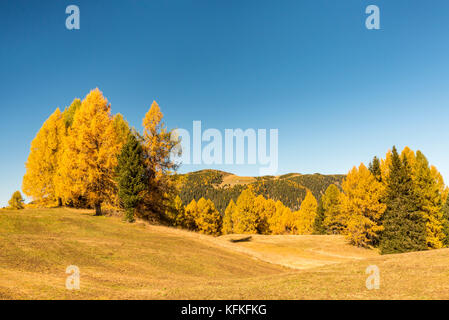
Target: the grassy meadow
(119, 260)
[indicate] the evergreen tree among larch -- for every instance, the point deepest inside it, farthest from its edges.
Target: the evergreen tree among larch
(131, 177)
(334, 221)
(404, 226)
(318, 225)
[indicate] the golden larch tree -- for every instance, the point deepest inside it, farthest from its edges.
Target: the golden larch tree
(430, 201)
(46, 148)
(70, 111)
(122, 129)
(281, 221)
(157, 142)
(269, 210)
(90, 153)
(304, 219)
(245, 219)
(361, 204)
(385, 165)
(190, 215)
(158, 147)
(208, 219)
(227, 218)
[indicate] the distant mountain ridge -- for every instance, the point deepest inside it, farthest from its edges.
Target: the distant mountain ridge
(221, 186)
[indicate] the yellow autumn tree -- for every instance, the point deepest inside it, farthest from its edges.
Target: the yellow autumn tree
(281, 222)
(157, 142)
(245, 219)
(361, 204)
(180, 212)
(158, 146)
(444, 191)
(304, 218)
(385, 165)
(122, 129)
(227, 218)
(69, 112)
(122, 132)
(208, 219)
(42, 164)
(190, 213)
(430, 199)
(16, 202)
(269, 210)
(90, 153)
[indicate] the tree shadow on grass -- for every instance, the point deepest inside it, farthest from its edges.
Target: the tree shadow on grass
(245, 239)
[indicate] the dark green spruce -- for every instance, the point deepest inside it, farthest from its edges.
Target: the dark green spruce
(318, 225)
(374, 168)
(404, 225)
(131, 176)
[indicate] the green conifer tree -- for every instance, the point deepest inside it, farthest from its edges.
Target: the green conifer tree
(404, 226)
(318, 226)
(334, 220)
(131, 175)
(374, 168)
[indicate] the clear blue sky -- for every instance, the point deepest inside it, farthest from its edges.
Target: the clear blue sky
(338, 93)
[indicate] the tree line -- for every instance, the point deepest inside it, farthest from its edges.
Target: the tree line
(86, 157)
(397, 204)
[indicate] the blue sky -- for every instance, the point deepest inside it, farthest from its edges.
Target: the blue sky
(338, 93)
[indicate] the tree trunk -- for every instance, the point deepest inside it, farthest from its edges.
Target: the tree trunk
(59, 202)
(98, 209)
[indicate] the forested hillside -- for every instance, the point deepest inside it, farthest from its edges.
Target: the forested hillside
(221, 187)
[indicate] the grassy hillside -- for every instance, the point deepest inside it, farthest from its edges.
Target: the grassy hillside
(128, 261)
(221, 187)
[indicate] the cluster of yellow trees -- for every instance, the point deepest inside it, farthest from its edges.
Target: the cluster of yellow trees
(358, 211)
(355, 210)
(73, 157)
(251, 214)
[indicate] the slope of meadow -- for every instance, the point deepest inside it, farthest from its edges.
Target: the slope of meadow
(139, 261)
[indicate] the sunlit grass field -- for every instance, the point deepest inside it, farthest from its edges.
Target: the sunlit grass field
(118, 260)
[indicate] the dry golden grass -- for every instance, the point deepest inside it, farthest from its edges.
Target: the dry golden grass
(138, 261)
